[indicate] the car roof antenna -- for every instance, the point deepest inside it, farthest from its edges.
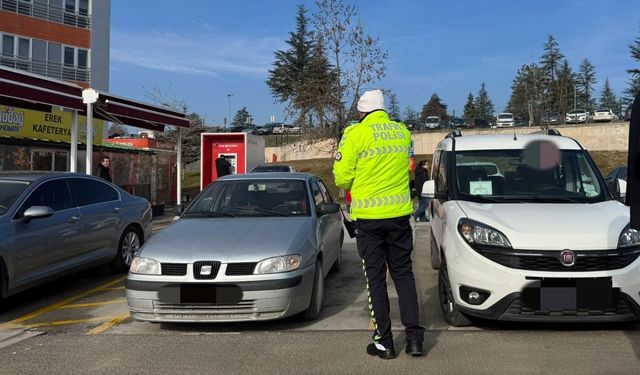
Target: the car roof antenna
(515, 138)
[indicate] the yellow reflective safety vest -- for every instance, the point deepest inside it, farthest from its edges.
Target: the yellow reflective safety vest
(373, 162)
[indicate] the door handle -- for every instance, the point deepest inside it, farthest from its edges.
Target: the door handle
(117, 210)
(73, 220)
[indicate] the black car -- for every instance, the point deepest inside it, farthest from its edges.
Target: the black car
(552, 119)
(456, 123)
(480, 123)
(265, 129)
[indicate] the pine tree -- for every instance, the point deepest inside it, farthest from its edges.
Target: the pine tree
(550, 64)
(318, 95)
(608, 98)
(519, 100)
(586, 80)
(241, 118)
(394, 108)
(469, 110)
(287, 76)
(434, 107)
(634, 81)
(484, 105)
(566, 86)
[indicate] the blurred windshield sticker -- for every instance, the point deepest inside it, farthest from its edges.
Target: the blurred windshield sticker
(480, 188)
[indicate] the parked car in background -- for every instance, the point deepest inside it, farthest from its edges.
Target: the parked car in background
(52, 224)
(553, 118)
(250, 247)
(520, 121)
(266, 129)
(604, 114)
(456, 123)
(286, 128)
(273, 168)
(480, 123)
(578, 116)
(432, 123)
(505, 119)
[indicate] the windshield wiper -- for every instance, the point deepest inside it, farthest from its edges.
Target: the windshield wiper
(261, 210)
(480, 198)
(209, 214)
(539, 198)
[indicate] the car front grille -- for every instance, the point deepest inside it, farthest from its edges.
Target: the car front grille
(621, 307)
(198, 268)
(242, 306)
(173, 269)
(533, 260)
(239, 269)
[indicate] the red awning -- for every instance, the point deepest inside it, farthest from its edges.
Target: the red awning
(33, 91)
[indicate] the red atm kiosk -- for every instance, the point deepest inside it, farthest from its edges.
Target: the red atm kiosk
(243, 150)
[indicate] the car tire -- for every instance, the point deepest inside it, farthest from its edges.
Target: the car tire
(450, 311)
(128, 247)
(317, 294)
(435, 253)
(338, 263)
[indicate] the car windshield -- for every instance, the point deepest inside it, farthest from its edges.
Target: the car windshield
(577, 112)
(9, 192)
(257, 197)
(502, 176)
(433, 119)
(505, 116)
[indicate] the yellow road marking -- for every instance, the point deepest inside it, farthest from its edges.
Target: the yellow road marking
(116, 288)
(57, 305)
(105, 326)
(93, 304)
(65, 322)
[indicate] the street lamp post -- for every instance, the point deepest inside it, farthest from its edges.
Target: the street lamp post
(229, 112)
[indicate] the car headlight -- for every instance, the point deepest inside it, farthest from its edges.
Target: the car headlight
(629, 237)
(476, 233)
(278, 264)
(145, 266)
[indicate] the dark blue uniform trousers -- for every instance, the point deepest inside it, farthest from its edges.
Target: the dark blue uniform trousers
(388, 243)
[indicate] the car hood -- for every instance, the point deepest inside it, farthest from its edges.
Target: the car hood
(230, 239)
(551, 226)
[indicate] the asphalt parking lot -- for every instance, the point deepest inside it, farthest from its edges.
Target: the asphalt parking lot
(80, 324)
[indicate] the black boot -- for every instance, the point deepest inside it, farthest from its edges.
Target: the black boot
(389, 353)
(414, 348)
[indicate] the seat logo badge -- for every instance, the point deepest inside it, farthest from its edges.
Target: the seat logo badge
(205, 270)
(567, 258)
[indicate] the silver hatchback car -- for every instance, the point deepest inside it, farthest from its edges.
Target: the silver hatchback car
(52, 224)
(250, 247)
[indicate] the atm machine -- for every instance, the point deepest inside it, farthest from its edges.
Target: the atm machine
(243, 150)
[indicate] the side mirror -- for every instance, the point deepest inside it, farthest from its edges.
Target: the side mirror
(328, 208)
(621, 189)
(428, 189)
(36, 212)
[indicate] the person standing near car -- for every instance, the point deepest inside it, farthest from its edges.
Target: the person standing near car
(103, 169)
(422, 173)
(632, 198)
(372, 162)
(223, 167)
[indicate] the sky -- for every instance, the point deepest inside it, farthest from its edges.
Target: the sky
(215, 54)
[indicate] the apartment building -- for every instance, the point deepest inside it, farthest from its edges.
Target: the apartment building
(61, 39)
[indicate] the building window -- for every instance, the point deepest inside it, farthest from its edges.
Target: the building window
(49, 160)
(8, 51)
(69, 12)
(24, 54)
(54, 60)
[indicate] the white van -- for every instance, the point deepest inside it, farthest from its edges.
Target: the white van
(543, 239)
(505, 120)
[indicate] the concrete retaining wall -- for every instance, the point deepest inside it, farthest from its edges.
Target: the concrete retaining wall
(594, 137)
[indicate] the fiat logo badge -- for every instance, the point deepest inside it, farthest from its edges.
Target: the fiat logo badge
(567, 258)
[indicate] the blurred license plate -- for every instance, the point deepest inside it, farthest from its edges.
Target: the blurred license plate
(200, 293)
(570, 294)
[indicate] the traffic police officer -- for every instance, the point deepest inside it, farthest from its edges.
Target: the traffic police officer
(373, 162)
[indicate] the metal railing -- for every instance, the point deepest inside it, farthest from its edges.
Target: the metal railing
(47, 12)
(47, 68)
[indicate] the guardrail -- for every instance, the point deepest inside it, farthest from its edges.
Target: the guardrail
(47, 12)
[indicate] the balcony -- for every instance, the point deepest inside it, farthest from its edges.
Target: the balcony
(46, 12)
(47, 68)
